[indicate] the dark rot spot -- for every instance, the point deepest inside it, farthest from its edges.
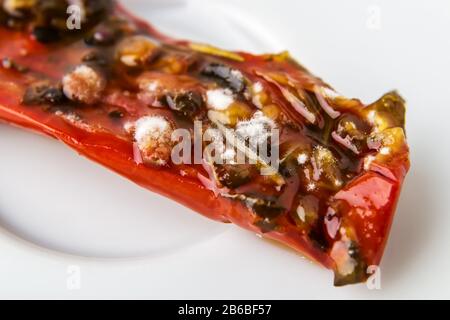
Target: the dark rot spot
(266, 225)
(267, 209)
(97, 7)
(229, 77)
(102, 37)
(289, 166)
(187, 104)
(318, 238)
(95, 58)
(3, 17)
(99, 39)
(116, 114)
(46, 34)
(43, 93)
(233, 176)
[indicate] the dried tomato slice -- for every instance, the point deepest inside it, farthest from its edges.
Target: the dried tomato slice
(117, 91)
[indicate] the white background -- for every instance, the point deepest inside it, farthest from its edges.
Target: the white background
(61, 214)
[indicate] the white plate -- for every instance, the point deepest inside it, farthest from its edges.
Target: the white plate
(72, 229)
